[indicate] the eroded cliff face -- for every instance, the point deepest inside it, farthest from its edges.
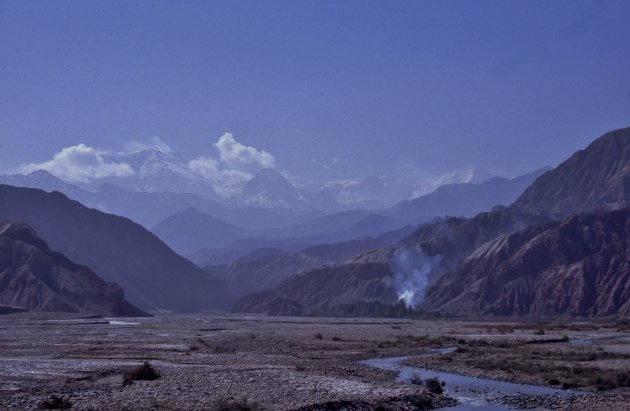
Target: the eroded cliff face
(598, 176)
(35, 278)
(577, 267)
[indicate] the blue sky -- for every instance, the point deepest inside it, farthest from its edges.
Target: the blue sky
(383, 86)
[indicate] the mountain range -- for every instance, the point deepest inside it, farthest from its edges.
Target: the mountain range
(182, 230)
(268, 267)
(514, 260)
(549, 243)
(165, 183)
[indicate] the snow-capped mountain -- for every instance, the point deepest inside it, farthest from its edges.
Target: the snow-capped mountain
(270, 190)
(371, 192)
(158, 169)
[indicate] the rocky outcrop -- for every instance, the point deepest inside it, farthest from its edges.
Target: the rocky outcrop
(35, 278)
(577, 267)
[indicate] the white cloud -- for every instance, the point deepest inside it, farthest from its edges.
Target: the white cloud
(80, 164)
(205, 166)
(242, 157)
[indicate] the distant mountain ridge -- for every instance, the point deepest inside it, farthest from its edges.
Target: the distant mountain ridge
(190, 230)
(35, 278)
(467, 199)
(146, 208)
(268, 267)
(163, 181)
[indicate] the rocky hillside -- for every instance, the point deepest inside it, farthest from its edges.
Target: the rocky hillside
(35, 278)
(598, 176)
(577, 267)
(119, 250)
(326, 286)
(266, 268)
(248, 275)
(376, 275)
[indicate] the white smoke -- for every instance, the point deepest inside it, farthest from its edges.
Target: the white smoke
(411, 274)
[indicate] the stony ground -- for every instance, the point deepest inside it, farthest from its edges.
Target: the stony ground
(207, 362)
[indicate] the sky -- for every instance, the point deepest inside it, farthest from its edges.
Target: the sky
(327, 89)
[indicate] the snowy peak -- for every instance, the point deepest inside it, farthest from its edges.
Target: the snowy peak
(269, 189)
(159, 169)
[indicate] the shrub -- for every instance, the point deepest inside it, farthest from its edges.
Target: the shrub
(203, 342)
(56, 403)
(420, 402)
(335, 338)
(144, 372)
(434, 385)
(416, 379)
(539, 331)
(319, 336)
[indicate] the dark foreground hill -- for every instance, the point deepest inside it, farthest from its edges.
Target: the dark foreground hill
(577, 267)
(119, 250)
(35, 278)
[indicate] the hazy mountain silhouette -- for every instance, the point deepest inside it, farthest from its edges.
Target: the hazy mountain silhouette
(119, 250)
(467, 199)
(191, 230)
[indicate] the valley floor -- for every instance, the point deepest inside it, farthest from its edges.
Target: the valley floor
(209, 362)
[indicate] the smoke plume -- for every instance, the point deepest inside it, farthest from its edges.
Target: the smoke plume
(411, 274)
